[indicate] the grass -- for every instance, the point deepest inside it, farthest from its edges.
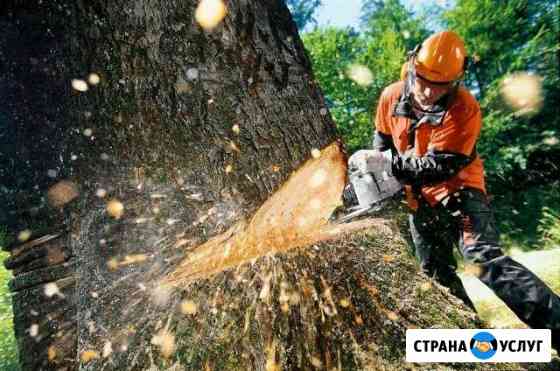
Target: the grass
(8, 347)
(544, 263)
(529, 220)
(530, 233)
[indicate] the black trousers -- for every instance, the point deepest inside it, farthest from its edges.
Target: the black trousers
(465, 218)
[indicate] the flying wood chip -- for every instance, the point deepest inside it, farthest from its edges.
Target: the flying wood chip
(24, 235)
(210, 13)
(94, 79)
(165, 340)
(360, 74)
(277, 224)
(115, 208)
(344, 303)
(188, 307)
(89, 355)
(62, 193)
(79, 85)
(51, 353)
(523, 92)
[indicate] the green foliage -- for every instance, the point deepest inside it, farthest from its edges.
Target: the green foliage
(510, 37)
(8, 347)
(332, 52)
(380, 16)
(303, 11)
(549, 227)
(507, 37)
(4, 237)
(388, 31)
(526, 218)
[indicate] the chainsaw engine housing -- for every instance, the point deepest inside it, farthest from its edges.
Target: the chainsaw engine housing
(368, 185)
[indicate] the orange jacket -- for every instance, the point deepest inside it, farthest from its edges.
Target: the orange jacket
(458, 133)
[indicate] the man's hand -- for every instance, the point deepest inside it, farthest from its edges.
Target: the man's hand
(371, 161)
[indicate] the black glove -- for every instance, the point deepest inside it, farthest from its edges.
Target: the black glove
(434, 167)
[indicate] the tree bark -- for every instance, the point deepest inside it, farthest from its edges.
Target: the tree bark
(164, 117)
(189, 132)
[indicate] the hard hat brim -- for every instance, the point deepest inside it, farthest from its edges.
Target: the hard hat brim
(434, 77)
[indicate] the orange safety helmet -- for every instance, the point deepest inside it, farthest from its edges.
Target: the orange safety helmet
(441, 58)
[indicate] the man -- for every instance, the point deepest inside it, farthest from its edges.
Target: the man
(431, 124)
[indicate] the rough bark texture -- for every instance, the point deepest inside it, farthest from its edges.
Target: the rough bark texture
(159, 134)
(162, 118)
(341, 304)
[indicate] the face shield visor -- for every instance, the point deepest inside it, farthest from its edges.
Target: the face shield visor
(432, 114)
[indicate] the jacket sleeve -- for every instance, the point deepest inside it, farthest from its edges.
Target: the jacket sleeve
(382, 138)
(434, 167)
(383, 142)
(382, 119)
(452, 147)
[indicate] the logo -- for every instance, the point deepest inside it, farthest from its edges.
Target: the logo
(478, 345)
(483, 345)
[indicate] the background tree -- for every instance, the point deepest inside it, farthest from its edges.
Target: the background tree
(388, 31)
(382, 16)
(303, 12)
(333, 52)
(520, 149)
(520, 146)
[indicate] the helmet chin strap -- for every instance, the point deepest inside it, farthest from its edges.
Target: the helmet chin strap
(411, 72)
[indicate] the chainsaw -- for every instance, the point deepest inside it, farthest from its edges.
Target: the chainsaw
(370, 185)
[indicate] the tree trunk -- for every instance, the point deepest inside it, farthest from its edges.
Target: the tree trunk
(216, 120)
(111, 192)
